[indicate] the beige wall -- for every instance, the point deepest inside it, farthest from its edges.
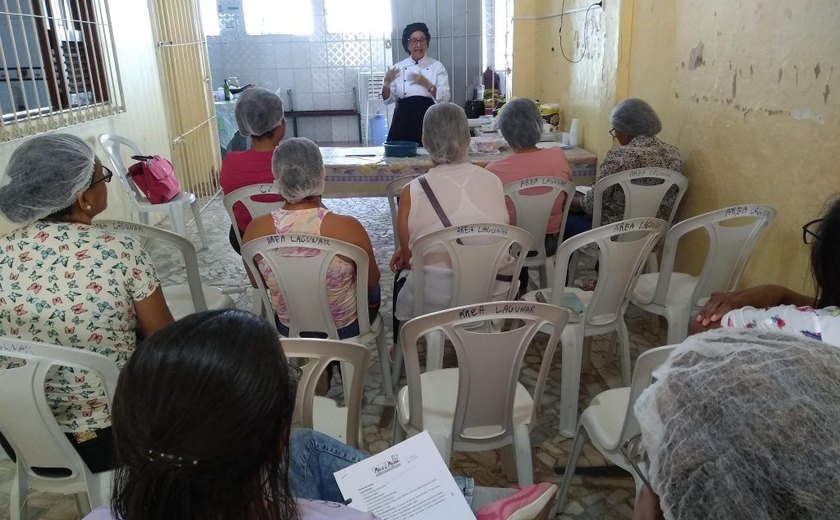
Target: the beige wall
(746, 89)
(144, 120)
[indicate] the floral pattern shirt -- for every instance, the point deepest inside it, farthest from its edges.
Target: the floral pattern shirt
(74, 285)
(641, 152)
(819, 324)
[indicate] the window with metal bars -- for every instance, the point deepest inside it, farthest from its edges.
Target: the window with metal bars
(57, 65)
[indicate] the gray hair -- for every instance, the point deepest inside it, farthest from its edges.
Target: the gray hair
(258, 111)
(298, 169)
(521, 123)
(46, 174)
(446, 133)
(744, 423)
(635, 117)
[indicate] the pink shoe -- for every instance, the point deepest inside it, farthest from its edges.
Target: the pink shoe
(530, 502)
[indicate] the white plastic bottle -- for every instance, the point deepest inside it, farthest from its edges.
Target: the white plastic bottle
(574, 133)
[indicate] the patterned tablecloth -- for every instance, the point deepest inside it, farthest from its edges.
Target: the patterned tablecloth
(365, 172)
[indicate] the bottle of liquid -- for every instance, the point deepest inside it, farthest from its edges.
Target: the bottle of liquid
(226, 87)
(377, 129)
(574, 133)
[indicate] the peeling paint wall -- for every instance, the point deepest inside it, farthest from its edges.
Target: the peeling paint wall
(747, 89)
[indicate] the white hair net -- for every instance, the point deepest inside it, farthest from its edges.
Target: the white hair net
(521, 123)
(635, 117)
(45, 174)
(446, 133)
(258, 111)
(741, 424)
(298, 169)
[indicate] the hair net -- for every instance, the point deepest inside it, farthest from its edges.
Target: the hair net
(299, 169)
(635, 117)
(258, 111)
(412, 28)
(46, 174)
(521, 123)
(446, 133)
(742, 423)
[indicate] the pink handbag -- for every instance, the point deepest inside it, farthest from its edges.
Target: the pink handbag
(155, 178)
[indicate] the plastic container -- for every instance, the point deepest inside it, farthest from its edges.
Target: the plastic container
(574, 133)
(400, 148)
(550, 113)
(377, 129)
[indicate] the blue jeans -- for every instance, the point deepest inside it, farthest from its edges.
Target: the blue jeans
(314, 457)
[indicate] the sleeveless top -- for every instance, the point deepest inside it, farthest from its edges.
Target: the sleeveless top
(341, 274)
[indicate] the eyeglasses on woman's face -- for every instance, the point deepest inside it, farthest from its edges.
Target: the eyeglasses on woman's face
(416, 41)
(107, 174)
(809, 231)
(612, 132)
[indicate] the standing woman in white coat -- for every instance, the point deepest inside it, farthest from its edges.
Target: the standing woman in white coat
(414, 84)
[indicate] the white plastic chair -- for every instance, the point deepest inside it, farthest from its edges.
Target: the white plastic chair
(622, 249)
(392, 190)
(476, 251)
(175, 208)
(182, 299)
(640, 200)
(534, 211)
(733, 234)
(322, 413)
(481, 405)
(302, 281)
(609, 420)
(255, 208)
(28, 424)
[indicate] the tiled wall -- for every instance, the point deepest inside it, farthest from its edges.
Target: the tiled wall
(323, 68)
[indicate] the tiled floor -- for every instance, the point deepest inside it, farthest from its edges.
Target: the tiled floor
(591, 497)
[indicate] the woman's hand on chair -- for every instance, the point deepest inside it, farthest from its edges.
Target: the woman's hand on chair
(399, 261)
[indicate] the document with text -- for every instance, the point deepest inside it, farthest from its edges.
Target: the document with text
(408, 481)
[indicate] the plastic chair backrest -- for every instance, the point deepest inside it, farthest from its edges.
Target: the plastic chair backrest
(489, 364)
(476, 252)
(186, 247)
(623, 248)
(255, 208)
(319, 353)
(534, 211)
(113, 143)
(393, 190)
(302, 280)
(648, 361)
(729, 249)
(640, 200)
(26, 419)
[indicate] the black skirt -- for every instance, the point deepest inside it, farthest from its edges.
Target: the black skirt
(407, 124)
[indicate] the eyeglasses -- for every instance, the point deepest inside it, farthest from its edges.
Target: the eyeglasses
(612, 132)
(416, 41)
(809, 231)
(107, 174)
(633, 453)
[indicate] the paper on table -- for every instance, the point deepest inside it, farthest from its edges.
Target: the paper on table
(583, 189)
(408, 481)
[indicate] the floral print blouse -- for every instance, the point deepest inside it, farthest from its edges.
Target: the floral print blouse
(641, 152)
(819, 324)
(74, 285)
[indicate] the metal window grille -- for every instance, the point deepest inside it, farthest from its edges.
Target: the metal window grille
(58, 65)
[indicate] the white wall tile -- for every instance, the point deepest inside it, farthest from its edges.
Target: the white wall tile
(321, 101)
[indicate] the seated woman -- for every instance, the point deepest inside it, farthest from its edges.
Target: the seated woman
(299, 172)
(742, 424)
(466, 193)
(65, 282)
(521, 123)
(634, 128)
(203, 428)
(778, 308)
(259, 114)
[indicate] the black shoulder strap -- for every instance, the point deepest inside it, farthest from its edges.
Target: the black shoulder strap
(434, 201)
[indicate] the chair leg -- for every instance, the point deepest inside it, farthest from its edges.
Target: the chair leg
(179, 222)
(17, 498)
(347, 374)
(572, 270)
(577, 448)
(385, 364)
(570, 383)
(522, 453)
(434, 351)
(397, 366)
(624, 350)
(399, 433)
(199, 225)
(678, 327)
(144, 217)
